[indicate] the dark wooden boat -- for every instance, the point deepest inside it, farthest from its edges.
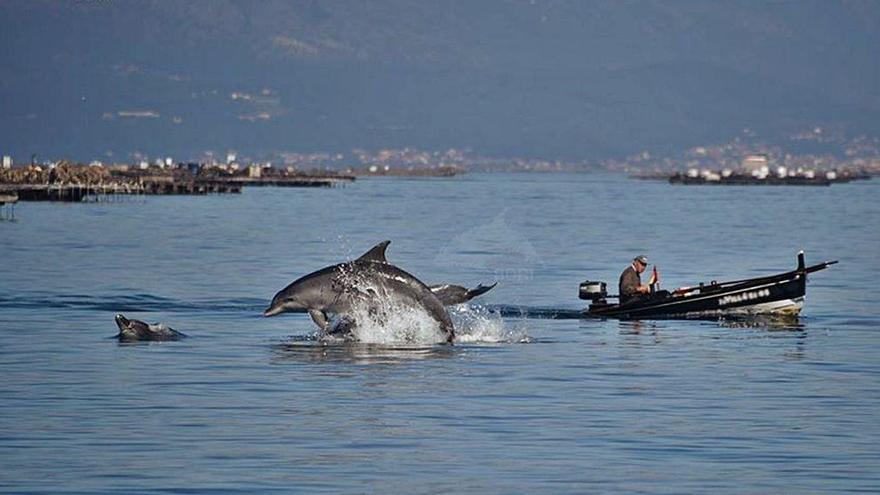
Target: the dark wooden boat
(781, 294)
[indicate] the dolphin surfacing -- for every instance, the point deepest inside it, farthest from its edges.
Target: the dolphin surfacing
(139, 331)
(369, 281)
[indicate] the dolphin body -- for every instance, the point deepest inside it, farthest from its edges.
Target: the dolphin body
(138, 331)
(339, 288)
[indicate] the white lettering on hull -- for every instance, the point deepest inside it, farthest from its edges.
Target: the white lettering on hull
(743, 297)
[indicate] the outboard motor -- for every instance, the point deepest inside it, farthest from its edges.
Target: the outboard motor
(593, 291)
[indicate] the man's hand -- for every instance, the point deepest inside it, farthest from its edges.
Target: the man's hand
(644, 289)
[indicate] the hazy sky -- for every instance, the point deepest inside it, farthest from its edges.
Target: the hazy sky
(90, 78)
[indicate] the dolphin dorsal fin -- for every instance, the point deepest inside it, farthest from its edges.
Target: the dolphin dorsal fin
(377, 253)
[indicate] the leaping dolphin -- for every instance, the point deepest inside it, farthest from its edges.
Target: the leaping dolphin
(370, 279)
(136, 331)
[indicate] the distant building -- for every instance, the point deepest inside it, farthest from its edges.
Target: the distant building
(255, 171)
(753, 163)
(230, 158)
(7, 161)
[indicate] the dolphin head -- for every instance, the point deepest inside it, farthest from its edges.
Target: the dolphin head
(303, 294)
(122, 322)
(131, 329)
(320, 290)
(284, 301)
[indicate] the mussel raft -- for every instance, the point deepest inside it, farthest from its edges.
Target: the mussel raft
(781, 294)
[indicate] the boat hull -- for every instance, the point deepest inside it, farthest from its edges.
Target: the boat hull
(784, 307)
(782, 294)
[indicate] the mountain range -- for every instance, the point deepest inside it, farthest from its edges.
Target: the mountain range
(113, 79)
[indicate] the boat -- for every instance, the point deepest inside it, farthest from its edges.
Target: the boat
(781, 294)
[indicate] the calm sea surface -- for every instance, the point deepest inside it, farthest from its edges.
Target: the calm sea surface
(519, 405)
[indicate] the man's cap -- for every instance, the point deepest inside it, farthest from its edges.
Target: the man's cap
(641, 259)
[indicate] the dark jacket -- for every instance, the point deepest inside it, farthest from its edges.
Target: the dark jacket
(629, 284)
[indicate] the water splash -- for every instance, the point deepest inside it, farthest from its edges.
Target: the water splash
(476, 324)
(378, 316)
(386, 321)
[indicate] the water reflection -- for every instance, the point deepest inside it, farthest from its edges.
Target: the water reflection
(634, 332)
(315, 351)
(761, 322)
(637, 327)
(642, 332)
(775, 327)
(789, 323)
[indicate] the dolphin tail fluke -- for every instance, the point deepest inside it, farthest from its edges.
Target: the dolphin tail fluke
(455, 294)
(480, 290)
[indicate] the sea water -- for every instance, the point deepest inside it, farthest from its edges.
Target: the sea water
(520, 404)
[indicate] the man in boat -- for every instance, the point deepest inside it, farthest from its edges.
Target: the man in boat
(630, 283)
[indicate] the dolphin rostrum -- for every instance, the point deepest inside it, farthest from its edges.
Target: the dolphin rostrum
(455, 294)
(136, 331)
(369, 280)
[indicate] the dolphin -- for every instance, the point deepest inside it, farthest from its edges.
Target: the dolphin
(339, 288)
(455, 294)
(136, 331)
